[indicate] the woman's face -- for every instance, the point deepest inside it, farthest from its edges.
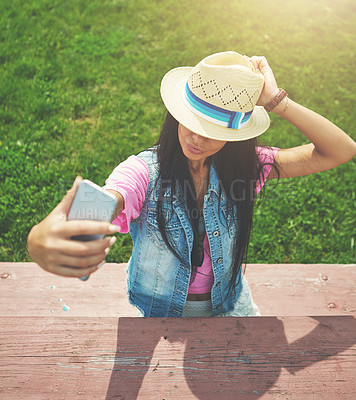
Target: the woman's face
(196, 147)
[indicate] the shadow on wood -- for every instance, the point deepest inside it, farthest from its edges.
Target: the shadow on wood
(229, 358)
(90, 353)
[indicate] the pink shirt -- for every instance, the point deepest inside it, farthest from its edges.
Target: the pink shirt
(204, 278)
(130, 179)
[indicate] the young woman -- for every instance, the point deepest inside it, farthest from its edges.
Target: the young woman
(188, 201)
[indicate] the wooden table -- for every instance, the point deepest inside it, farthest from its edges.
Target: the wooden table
(99, 349)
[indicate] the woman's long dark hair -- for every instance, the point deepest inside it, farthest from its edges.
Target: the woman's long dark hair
(238, 169)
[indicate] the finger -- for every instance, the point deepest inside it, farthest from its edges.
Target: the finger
(69, 272)
(82, 262)
(78, 228)
(259, 62)
(264, 66)
(254, 63)
(64, 206)
(263, 61)
(255, 60)
(78, 248)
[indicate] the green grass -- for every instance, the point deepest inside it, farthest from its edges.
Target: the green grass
(79, 92)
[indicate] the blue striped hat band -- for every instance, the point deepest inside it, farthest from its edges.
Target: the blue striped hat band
(217, 115)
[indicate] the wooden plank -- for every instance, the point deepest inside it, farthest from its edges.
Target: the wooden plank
(28, 290)
(178, 358)
(303, 289)
(278, 289)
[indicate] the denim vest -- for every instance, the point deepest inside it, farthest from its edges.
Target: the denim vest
(157, 281)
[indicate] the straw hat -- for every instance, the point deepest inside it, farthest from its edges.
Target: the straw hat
(217, 98)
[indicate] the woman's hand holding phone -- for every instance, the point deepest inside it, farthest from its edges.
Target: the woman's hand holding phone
(51, 246)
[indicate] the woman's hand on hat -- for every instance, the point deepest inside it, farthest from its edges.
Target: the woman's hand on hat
(270, 88)
(51, 247)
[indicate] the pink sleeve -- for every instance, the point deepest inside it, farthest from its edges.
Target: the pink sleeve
(265, 155)
(130, 179)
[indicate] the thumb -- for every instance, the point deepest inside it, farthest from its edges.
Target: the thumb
(64, 206)
(263, 63)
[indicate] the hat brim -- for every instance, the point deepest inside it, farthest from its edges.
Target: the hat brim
(172, 92)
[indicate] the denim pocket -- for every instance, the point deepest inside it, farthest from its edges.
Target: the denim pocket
(173, 226)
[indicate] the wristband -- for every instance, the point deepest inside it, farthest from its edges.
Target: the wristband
(276, 100)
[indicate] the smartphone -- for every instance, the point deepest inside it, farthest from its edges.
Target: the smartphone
(91, 202)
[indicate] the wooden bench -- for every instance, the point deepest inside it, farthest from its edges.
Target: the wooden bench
(303, 347)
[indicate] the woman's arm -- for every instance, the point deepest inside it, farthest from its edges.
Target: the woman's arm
(50, 243)
(120, 202)
(51, 247)
(330, 145)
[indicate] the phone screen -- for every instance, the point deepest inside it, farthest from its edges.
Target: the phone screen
(91, 202)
